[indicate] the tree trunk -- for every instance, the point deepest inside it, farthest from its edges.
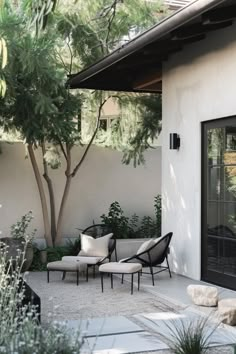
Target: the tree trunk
(51, 195)
(69, 177)
(47, 234)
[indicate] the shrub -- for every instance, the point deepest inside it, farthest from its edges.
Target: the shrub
(125, 227)
(193, 337)
(20, 331)
(19, 230)
(71, 248)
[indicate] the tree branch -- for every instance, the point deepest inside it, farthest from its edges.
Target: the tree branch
(92, 139)
(62, 149)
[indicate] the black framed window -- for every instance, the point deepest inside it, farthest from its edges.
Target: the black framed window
(219, 202)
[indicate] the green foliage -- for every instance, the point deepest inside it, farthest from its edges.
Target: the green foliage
(95, 29)
(19, 230)
(149, 111)
(193, 337)
(118, 222)
(20, 331)
(71, 248)
(125, 227)
(36, 102)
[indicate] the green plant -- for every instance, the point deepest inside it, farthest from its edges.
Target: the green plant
(20, 331)
(125, 227)
(192, 337)
(71, 248)
(118, 222)
(19, 230)
(158, 211)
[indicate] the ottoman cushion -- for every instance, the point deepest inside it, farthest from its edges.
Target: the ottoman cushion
(83, 259)
(203, 295)
(227, 311)
(123, 268)
(63, 266)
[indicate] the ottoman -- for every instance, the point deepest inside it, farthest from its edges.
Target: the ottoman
(121, 268)
(63, 266)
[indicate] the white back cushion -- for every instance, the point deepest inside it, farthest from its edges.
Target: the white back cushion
(94, 247)
(145, 246)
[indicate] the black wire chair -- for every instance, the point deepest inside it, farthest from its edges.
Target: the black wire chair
(154, 256)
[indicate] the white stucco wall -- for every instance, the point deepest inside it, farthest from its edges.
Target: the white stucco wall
(199, 84)
(101, 180)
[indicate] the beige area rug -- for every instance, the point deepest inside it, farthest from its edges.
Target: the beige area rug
(64, 300)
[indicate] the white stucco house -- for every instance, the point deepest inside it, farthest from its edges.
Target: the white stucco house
(189, 57)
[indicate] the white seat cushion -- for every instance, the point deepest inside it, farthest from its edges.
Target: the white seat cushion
(82, 259)
(94, 247)
(63, 266)
(123, 268)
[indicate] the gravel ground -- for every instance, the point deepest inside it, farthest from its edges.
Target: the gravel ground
(63, 300)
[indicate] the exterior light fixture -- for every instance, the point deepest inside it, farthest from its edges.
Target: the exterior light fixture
(174, 141)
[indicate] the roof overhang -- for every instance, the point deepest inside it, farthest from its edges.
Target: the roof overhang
(137, 66)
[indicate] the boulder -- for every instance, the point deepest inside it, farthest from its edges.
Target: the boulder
(203, 295)
(227, 311)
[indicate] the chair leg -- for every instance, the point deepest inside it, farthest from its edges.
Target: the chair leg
(122, 279)
(101, 280)
(111, 280)
(116, 255)
(132, 283)
(63, 275)
(94, 271)
(48, 275)
(139, 273)
(77, 276)
(168, 266)
(87, 273)
(151, 271)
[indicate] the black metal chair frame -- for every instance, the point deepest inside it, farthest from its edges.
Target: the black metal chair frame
(151, 263)
(64, 274)
(132, 279)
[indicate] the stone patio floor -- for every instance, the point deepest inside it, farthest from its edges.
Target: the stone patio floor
(117, 322)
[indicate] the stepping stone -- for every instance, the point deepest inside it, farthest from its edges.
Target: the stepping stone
(227, 311)
(203, 295)
(104, 326)
(123, 343)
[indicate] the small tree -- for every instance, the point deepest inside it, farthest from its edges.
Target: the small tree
(38, 105)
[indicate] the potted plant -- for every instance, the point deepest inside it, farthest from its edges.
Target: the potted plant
(21, 240)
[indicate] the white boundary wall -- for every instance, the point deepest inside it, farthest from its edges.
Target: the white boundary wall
(199, 84)
(101, 180)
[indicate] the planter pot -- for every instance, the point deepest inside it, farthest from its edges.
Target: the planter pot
(127, 247)
(43, 256)
(13, 251)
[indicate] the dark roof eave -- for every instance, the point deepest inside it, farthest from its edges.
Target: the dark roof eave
(158, 31)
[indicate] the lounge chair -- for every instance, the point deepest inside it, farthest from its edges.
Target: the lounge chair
(152, 254)
(93, 259)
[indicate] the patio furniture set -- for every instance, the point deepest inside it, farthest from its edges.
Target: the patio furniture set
(97, 246)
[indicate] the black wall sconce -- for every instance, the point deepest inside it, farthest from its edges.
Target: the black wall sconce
(174, 141)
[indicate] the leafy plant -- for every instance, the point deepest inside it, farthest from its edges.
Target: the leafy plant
(118, 222)
(20, 331)
(193, 337)
(19, 230)
(71, 248)
(125, 227)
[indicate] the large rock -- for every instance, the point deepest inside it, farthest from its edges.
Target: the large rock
(227, 311)
(203, 295)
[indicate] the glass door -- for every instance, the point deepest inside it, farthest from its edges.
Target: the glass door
(219, 202)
